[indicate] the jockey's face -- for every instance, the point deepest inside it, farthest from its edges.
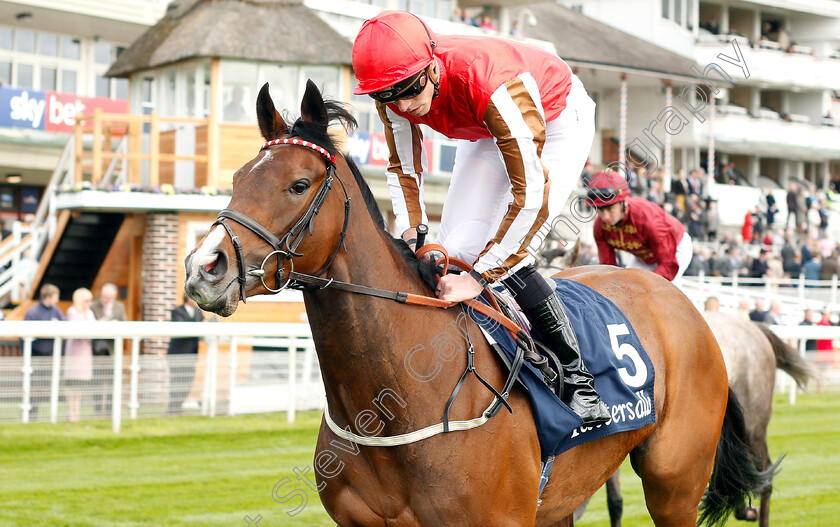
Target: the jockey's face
(612, 214)
(419, 105)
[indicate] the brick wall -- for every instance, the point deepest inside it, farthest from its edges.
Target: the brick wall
(160, 269)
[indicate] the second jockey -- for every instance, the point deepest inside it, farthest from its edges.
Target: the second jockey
(525, 125)
(655, 240)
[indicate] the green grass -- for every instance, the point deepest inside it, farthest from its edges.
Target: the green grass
(203, 472)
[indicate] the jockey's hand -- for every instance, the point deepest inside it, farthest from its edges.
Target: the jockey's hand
(457, 287)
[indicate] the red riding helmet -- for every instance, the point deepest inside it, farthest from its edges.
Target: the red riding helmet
(606, 188)
(390, 47)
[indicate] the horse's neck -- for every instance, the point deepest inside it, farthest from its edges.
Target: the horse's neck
(360, 341)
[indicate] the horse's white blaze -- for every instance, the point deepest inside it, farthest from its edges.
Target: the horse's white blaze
(205, 253)
(265, 158)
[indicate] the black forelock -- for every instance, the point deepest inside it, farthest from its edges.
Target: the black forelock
(319, 134)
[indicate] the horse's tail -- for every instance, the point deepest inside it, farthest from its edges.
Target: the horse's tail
(735, 478)
(787, 359)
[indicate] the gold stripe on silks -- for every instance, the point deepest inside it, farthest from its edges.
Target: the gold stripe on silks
(515, 166)
(410, 188)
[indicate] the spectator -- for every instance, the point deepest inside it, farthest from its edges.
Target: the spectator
(747, 228)
(234, 112)
(712, 25)
(770, 200)
(826, 246)
(655, 193)
(743, 309)
(728, 264)
(78, 364)
(758, 314)
(106, 308)
(487, 23)
(733, 175)
(825, 352)
(792, 206)
(712, 304)
(45, 309)
(812, 268)
(814, 221)
(695, 183)
(759, 265)
(775, 270)
(821, 210)
(515, 30)
(679, 190)
(182, 369)
(712, 220)
(808, 320)
(774, 315)
(801, 210)
(699, 263)
(829, 267)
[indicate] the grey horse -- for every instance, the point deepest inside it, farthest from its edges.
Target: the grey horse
(752, 353)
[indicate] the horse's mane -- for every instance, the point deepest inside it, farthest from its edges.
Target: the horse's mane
(319, 134)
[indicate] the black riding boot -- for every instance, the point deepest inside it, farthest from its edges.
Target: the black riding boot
(543, 308)
(553, 325)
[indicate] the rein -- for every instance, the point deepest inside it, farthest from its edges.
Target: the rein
(285, 248)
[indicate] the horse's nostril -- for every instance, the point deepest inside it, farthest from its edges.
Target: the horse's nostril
(212, 265)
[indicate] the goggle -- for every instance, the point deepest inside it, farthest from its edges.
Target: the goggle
(602, 194)
(411, 87)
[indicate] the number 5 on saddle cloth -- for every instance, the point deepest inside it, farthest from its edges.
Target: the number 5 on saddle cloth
(624, 375)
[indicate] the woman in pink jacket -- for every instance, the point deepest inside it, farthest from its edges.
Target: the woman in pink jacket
(78, 361)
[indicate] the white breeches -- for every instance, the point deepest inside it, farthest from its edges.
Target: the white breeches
(685, 251)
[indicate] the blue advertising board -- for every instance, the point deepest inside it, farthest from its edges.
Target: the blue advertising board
(23, 108)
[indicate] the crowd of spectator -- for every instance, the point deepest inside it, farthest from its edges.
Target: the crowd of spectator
(81, 373)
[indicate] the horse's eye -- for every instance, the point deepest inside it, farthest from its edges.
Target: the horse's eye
(299, 187)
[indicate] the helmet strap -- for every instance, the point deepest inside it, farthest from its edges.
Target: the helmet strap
(434, 76)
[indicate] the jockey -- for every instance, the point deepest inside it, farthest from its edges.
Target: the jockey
(655, 240)
(525, 125)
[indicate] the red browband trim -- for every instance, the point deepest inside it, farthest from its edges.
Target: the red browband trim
(300, 142)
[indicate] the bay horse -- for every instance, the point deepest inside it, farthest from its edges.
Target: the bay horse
(487, 475)
(752, 353)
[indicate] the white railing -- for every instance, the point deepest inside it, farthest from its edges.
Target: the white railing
(773, 67)
(794, 295)
(26, 380)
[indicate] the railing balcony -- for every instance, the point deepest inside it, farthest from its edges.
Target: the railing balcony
(770, 65)
(772, 137)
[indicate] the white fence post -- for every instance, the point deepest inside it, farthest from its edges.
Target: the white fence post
(234, 341)
(133, 402)
(55, 377)
(211, 370)
(116, 405)
(290, 415)
(26, 370)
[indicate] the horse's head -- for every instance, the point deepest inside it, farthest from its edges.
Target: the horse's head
(267, 230)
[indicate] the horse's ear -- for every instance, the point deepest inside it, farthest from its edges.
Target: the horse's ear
(312, 107)
(272, 124)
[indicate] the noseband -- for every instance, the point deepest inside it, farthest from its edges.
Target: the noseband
(285, 248)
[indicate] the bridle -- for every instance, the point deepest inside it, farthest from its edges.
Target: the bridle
(285, 248)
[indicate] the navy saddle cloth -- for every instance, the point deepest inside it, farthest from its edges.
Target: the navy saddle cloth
(611, 351)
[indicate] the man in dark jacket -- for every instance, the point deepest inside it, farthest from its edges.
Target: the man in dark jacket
(107, 307)
(182, 369)
(46, 309)
(792, 206)
(829, 267)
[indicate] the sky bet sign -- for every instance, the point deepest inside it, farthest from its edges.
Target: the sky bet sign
(50, 111)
